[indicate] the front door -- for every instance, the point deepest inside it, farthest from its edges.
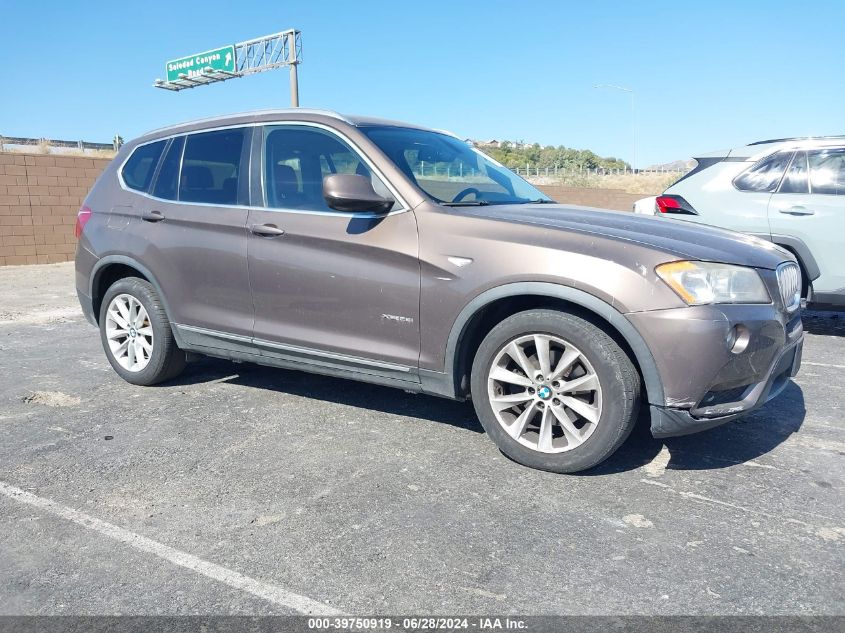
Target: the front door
(812, 209)
(340, 289)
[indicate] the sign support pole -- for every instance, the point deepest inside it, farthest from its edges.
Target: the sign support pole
(294, 85)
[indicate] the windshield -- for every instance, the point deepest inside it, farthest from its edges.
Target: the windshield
(451, 171)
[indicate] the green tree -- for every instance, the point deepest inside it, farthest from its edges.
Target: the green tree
(515, 154)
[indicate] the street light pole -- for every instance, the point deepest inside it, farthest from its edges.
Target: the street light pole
(633, 117)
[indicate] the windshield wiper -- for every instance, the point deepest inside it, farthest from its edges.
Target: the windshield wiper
(541, 201)
(466, 203)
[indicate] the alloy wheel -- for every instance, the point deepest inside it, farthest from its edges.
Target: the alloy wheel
(544, 393)
(129, 332)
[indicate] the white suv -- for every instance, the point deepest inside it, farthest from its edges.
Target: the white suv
(789, 191)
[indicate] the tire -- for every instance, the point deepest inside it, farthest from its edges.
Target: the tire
(158, 358)
(601, 384)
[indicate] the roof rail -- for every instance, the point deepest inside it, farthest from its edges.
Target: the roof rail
(222, 117)
(797, 138)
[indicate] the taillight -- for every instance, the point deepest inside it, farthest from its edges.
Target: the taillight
(82, 217)
(674, 204)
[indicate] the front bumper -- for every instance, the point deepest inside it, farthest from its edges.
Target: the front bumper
(671, 422)
(706, 379)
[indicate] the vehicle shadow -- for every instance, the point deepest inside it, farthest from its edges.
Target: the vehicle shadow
(823, 323)
(638, 450)
(736, 442)
(357, 226)
(348, 392)
(744, 439)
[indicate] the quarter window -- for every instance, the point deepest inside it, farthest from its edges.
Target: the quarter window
(296, 159)
(795, 180)
(827, 171)
(139, 169)
(765, 175)
(211, 167)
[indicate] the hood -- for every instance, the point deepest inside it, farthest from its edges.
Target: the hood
(682, 240)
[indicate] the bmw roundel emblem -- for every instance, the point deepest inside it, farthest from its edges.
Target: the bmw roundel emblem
(544, 392)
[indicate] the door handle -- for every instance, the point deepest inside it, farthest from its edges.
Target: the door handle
(797, 210)
(266, 230)
(152, 216)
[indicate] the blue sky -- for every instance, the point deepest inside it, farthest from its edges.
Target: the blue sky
(706, 74)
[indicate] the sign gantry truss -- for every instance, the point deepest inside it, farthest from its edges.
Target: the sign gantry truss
(266, 53)
(253, 56)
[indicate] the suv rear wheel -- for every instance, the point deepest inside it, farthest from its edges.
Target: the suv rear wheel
(136, 333)
(554, 391)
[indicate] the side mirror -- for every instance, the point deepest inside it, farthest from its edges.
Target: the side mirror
(351, 192)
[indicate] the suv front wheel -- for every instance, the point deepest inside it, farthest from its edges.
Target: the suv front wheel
(554, 391)
(136, 333)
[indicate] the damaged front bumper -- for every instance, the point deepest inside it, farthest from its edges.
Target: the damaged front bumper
(671, 422)
(711, 375)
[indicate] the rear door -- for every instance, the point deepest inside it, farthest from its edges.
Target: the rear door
(810, 206)
(194, 229)
(748, 208)
(330, 287)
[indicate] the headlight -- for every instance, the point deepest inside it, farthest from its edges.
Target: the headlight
(699, 283)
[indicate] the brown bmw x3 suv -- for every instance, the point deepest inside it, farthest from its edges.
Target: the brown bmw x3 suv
(398, 255)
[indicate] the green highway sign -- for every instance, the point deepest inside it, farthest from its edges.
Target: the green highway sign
(277, 50)
(194, 65)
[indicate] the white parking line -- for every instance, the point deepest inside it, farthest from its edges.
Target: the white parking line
(271, 593)
(822, 365)
(773, 517)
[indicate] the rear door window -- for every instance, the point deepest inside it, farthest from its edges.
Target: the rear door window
(211, 167)
(765, 175)
(827, 171)
(167, 182)
(138, 171)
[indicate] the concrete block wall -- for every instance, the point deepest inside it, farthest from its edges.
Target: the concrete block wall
(40, 195)
(615, 199)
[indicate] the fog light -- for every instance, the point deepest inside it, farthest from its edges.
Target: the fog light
(738, 339)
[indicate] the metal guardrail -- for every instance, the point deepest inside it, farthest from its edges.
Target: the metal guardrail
(21, 140)
(532, 171)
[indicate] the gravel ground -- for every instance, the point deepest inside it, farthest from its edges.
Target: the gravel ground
(244, 490)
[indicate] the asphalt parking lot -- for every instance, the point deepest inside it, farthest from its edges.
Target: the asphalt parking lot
(244, 490)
